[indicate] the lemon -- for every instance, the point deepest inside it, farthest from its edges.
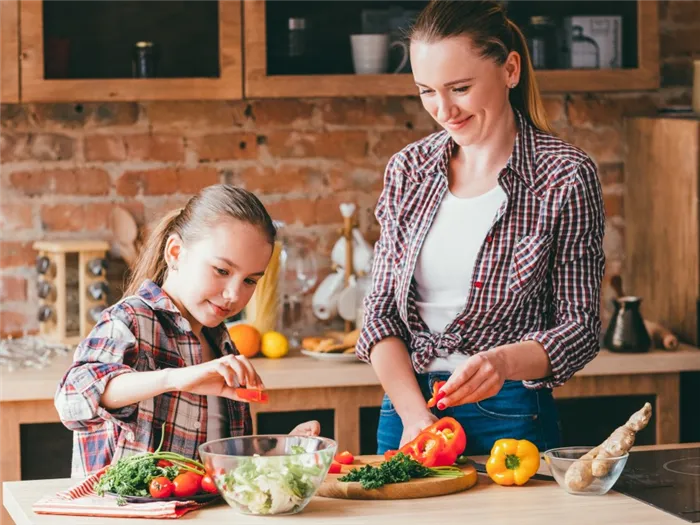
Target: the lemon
(274, 345)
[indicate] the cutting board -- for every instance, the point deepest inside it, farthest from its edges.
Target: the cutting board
(415, 488)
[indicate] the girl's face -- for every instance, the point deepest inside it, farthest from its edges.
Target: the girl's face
(216, 275)
(465, 93)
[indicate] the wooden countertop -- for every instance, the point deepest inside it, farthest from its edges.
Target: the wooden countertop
(298, 371)
(536, 503)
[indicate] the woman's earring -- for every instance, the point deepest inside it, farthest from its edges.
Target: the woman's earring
(512, 86)
(173, 267)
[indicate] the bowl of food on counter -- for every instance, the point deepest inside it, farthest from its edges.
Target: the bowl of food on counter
(268, 474)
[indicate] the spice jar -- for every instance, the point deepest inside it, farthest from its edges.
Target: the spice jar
(542, 42)
(144, 60)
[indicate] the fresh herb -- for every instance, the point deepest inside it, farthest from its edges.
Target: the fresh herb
(130, 476)
(398, 469)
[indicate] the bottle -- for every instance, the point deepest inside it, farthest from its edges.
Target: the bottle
(45, 266)
(542, 42)
(297, 46)
(97, 267)
(45, 313)
(144, 61)
(98, 290)
(47, 291)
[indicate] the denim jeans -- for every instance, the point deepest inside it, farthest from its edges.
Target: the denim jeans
(515, 412)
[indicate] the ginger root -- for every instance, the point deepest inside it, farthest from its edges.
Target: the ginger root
(596, 463)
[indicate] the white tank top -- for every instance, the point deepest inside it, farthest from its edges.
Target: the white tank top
(446, 261)
(217, 422)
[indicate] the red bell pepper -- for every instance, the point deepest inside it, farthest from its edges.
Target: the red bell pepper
(437, 394)
(390, 454)
(253, 395)
(335, 468)
(428, 449)
(453, 436)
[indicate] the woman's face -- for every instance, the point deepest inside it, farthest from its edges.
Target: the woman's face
(465, 93)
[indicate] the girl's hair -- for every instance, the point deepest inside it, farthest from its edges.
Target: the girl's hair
(201, 212)
(494, 35)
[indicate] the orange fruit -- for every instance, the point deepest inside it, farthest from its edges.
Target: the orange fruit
(246, 338)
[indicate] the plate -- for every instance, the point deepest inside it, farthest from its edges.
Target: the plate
(199, 498)
(328, 356)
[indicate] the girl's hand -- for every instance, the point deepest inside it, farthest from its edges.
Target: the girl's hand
(219, 377)
(308, 428)
(481, 376)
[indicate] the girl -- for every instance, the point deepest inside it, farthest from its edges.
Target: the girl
(161, 360)
(488, 269)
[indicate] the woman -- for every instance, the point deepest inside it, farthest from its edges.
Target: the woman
(487, 272)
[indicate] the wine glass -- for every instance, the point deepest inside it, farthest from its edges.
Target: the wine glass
(299, 274)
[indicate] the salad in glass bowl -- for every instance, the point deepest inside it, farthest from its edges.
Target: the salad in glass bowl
(268, 474)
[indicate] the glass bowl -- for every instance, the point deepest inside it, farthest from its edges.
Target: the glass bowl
(560, 461)
(268, 474)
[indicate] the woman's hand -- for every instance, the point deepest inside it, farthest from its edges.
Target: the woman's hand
(308, 428)
(219, 377)
(481, 376)
(414, 427)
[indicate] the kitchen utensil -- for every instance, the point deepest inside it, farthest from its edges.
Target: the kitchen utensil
(362, 253)
(325, 300)
(561, 459)
(626, 331)
(268, 474)
(347, 300)
(661, 336)
(414, 488)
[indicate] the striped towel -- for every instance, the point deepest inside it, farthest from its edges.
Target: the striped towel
(81, 500)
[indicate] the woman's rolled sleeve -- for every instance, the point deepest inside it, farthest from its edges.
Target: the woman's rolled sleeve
(573, 339)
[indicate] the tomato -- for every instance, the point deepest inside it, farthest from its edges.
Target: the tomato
(335, 468)
(345, 458)
(164, 463)
(187, 484)
(160, 487)
(208, 485)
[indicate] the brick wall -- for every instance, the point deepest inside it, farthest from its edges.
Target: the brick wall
(64, 166)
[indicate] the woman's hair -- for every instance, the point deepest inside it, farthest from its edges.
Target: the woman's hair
(201, 212)
(494, 35)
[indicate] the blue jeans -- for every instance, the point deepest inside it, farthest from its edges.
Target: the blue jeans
(515, 412)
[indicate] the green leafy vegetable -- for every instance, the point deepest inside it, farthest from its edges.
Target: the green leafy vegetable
(398, 469)
(273, 484)
(130, 476)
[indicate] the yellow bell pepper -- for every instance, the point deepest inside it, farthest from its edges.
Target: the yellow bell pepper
(513, 461)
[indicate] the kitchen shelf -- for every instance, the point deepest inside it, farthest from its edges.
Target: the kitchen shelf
(9, 58)
(328, 69)
(76, 50)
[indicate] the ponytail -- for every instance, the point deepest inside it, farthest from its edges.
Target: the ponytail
(495, 36)
(525, 97)
(151, 261)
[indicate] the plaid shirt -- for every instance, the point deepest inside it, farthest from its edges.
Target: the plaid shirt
(141, 332)
(537, 276)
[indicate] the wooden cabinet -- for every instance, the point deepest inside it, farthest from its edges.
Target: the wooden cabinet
(662, 221)
(74, 50)
(9, 51)
(329, 71)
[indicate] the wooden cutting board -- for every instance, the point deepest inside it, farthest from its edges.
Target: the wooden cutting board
(415, 488)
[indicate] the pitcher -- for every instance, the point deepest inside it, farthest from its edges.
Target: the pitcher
(626, 331)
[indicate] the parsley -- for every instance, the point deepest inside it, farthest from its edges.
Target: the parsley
(398, 469)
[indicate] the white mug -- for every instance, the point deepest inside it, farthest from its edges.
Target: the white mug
(370, 53)
(324, 302)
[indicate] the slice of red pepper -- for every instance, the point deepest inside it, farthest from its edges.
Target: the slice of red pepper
(253, 395)
(428, 448)
(390, 454)
(437, 394)
(454, 437)
(336, 468)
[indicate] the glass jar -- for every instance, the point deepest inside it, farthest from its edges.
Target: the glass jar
(542, 42)
(585, 53)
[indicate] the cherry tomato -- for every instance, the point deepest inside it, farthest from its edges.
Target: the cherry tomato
(161, 487)
(208, 485)
(187, 484)
(345, 458)
(335, 468)
(164, 463)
